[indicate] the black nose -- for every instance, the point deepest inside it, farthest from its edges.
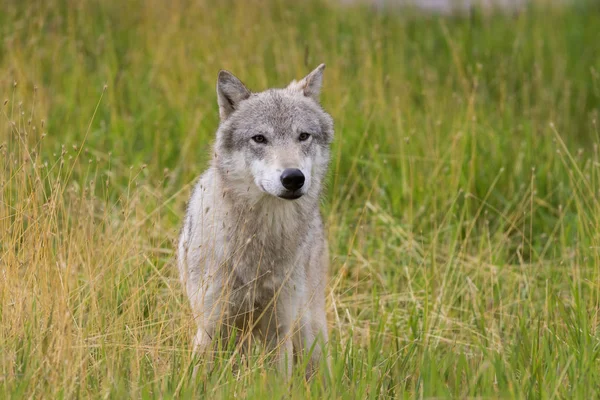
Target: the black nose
(292, 178)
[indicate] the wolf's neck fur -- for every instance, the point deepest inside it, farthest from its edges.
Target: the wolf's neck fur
(272, 222)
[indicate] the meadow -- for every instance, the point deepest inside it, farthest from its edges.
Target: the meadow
(462, 201)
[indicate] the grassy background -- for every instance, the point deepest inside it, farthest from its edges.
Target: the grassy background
(462, 202)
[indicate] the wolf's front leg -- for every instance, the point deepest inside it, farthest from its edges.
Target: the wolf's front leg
(279, 343)
(311, 336)
(208, 315)
(276, 329)
(311, 339)
(201, 348)
(202, 341)
(285, 357)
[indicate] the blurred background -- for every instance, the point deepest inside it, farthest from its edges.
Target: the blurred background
(447, 6)
(461, 204)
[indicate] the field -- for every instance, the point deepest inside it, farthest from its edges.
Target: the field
(462, 202)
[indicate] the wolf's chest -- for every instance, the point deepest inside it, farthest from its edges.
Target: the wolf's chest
(262, 261)
(254, 286)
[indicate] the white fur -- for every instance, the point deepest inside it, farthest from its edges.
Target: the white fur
(247, 258)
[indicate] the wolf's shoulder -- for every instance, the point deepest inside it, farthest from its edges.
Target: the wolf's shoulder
(203, 192)
(204, 185)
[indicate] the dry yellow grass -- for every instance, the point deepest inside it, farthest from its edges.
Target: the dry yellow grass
(463, 218)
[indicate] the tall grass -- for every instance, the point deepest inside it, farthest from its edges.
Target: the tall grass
(462, 205)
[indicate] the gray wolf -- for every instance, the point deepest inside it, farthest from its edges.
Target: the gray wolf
(252, 253)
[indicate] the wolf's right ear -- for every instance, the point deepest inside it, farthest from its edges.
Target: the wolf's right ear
(230, 92)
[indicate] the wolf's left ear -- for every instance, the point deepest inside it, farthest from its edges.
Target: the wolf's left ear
(310, 86)
(230, 92)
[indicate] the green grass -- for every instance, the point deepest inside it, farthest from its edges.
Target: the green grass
(462, 204)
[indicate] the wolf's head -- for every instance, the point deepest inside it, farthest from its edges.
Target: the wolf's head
(273, 143)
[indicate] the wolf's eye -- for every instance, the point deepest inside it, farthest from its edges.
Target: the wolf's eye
(303, 136)
(259, 139)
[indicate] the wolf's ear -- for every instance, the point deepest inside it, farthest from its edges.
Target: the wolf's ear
(310, 86)
(230, 92)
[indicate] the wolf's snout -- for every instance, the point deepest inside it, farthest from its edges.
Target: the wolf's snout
(292, 179)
